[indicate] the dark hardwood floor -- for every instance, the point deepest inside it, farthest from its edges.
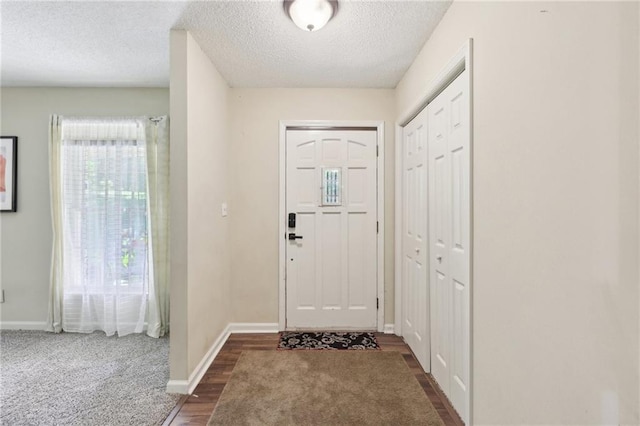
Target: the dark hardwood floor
(196, 409)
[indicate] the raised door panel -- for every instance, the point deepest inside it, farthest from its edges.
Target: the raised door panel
(331, 261)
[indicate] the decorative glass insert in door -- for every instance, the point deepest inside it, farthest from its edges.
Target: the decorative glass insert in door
(331, 187)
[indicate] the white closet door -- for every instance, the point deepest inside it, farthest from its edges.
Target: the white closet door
(449, 227)
(415, 295)
(439, 241)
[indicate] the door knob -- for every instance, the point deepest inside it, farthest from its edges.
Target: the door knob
(293, 237)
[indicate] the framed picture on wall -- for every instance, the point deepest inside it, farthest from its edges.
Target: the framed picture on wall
(8, 173)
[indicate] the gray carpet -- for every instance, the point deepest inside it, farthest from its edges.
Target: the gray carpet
(83, 379)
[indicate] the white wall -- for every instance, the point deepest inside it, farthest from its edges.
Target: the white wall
(26, 235)
(555, 296)
(200, 276)
(255, 115)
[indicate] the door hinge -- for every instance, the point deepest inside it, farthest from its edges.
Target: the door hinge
(377, 227)
(377, 150)
(377, 303)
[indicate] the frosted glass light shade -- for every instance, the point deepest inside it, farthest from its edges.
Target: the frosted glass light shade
(310, 15)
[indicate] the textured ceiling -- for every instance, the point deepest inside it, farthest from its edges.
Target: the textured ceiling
(252, 43)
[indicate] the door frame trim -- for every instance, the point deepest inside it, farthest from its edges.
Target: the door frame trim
(461, 61)
(378, 126)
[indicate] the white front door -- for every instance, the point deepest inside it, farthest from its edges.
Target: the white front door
(449, 226)
(415, 267)
(331, 280)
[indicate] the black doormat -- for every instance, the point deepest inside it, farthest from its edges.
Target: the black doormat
(327, 340)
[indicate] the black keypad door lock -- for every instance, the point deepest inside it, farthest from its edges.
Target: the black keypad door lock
(293, 237)
(292, 220)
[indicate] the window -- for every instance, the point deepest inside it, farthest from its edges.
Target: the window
(105, 217)
(331, 186)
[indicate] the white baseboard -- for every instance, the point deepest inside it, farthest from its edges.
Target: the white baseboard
(23, 325)
(253, 327)
(187, 386)
(389, 329)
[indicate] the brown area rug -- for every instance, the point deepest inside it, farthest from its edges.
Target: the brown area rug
(323, 388)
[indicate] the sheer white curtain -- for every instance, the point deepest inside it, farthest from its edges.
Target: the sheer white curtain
(157, 136)
(54, 319)
(103, 208)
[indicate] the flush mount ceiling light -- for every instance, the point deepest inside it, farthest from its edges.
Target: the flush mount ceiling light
(311, 15)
